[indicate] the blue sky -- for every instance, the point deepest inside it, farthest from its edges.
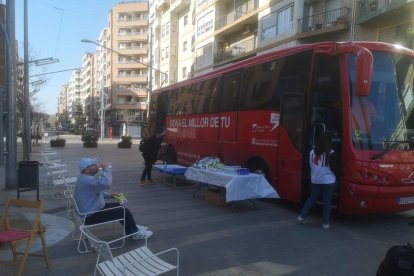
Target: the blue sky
(55, 30)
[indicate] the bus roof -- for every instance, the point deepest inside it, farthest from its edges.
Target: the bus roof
(376, 46)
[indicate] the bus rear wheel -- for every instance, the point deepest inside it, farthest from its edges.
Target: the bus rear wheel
(259, 166)
(171, 154)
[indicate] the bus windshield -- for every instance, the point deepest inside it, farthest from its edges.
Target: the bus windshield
(384, 120)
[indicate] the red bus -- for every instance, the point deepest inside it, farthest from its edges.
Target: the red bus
(266, 112)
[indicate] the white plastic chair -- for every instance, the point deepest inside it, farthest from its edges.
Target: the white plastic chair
(140, 261)
(63, 180)
(80, 218)
(51, 163)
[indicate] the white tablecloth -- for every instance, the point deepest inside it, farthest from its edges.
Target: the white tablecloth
(238, 187)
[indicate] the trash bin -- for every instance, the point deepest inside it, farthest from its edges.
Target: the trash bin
(28, 177)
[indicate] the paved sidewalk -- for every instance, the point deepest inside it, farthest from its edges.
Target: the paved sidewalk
(213, 240)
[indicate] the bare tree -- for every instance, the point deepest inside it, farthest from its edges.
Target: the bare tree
(128, 116)
(35, 106)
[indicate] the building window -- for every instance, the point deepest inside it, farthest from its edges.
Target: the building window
(201, 2)
(204, 55)
(185, 46)
(285, 20)
(278, 22)
(205, 24)
(269, 26)
(167, 52)
(167, 28)
(186, 20)
(184, 72)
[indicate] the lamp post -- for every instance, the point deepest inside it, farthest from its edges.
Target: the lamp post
(149, 66)
(10, 36)
(26, 118)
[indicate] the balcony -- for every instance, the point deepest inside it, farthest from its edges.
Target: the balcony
(131, 18)
(139, 77)
(138, 50)
(130, 65)
(130, 91)
(137, 36)
(323, 23)
(235, 14)
(239, 50)
(179, 5)
(133, 22)
(384, 11)
(162, 4)
(131, 105)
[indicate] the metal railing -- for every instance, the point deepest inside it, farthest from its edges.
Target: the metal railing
(236, 50)
(132, 33)
(129, 19)
(132, 75)
(323, 20)
(364, 7)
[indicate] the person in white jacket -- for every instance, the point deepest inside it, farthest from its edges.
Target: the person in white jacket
(323, 165)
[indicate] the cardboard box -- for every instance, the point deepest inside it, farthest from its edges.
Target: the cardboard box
(215, 197)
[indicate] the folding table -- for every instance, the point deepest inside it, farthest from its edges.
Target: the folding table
(170, 172)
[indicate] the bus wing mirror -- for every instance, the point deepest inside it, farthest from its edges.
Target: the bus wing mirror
(364, 65)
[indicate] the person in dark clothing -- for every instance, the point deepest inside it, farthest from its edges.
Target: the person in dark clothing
(150, 155)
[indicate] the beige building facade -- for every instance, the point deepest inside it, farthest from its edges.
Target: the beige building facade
(220, 32)
(115, 77)
(179, 39)
(127, 65)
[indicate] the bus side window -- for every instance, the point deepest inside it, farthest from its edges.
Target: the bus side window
(161, 111)
(210, 92)
(230, 92)
(260, 81)
(173, 102)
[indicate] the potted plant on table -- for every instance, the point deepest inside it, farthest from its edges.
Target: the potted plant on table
(90, 139)
(126, 141)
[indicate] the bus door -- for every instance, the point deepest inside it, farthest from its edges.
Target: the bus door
(227, 119)
(326, 108)
(290, 146)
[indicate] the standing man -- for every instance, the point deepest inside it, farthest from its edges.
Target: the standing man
(150, 154)
(90, 193)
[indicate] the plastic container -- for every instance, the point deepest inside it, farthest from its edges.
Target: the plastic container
(231, 169)
(243, 171)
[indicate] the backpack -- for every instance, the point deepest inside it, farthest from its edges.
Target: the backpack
(142, 145)
(399, 261)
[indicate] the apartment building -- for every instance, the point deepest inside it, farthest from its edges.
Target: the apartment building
(172, 41)
(127, 73)
(62, 106)
(207, 34)
(100, 58)
(74, 95)
(88, 90)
